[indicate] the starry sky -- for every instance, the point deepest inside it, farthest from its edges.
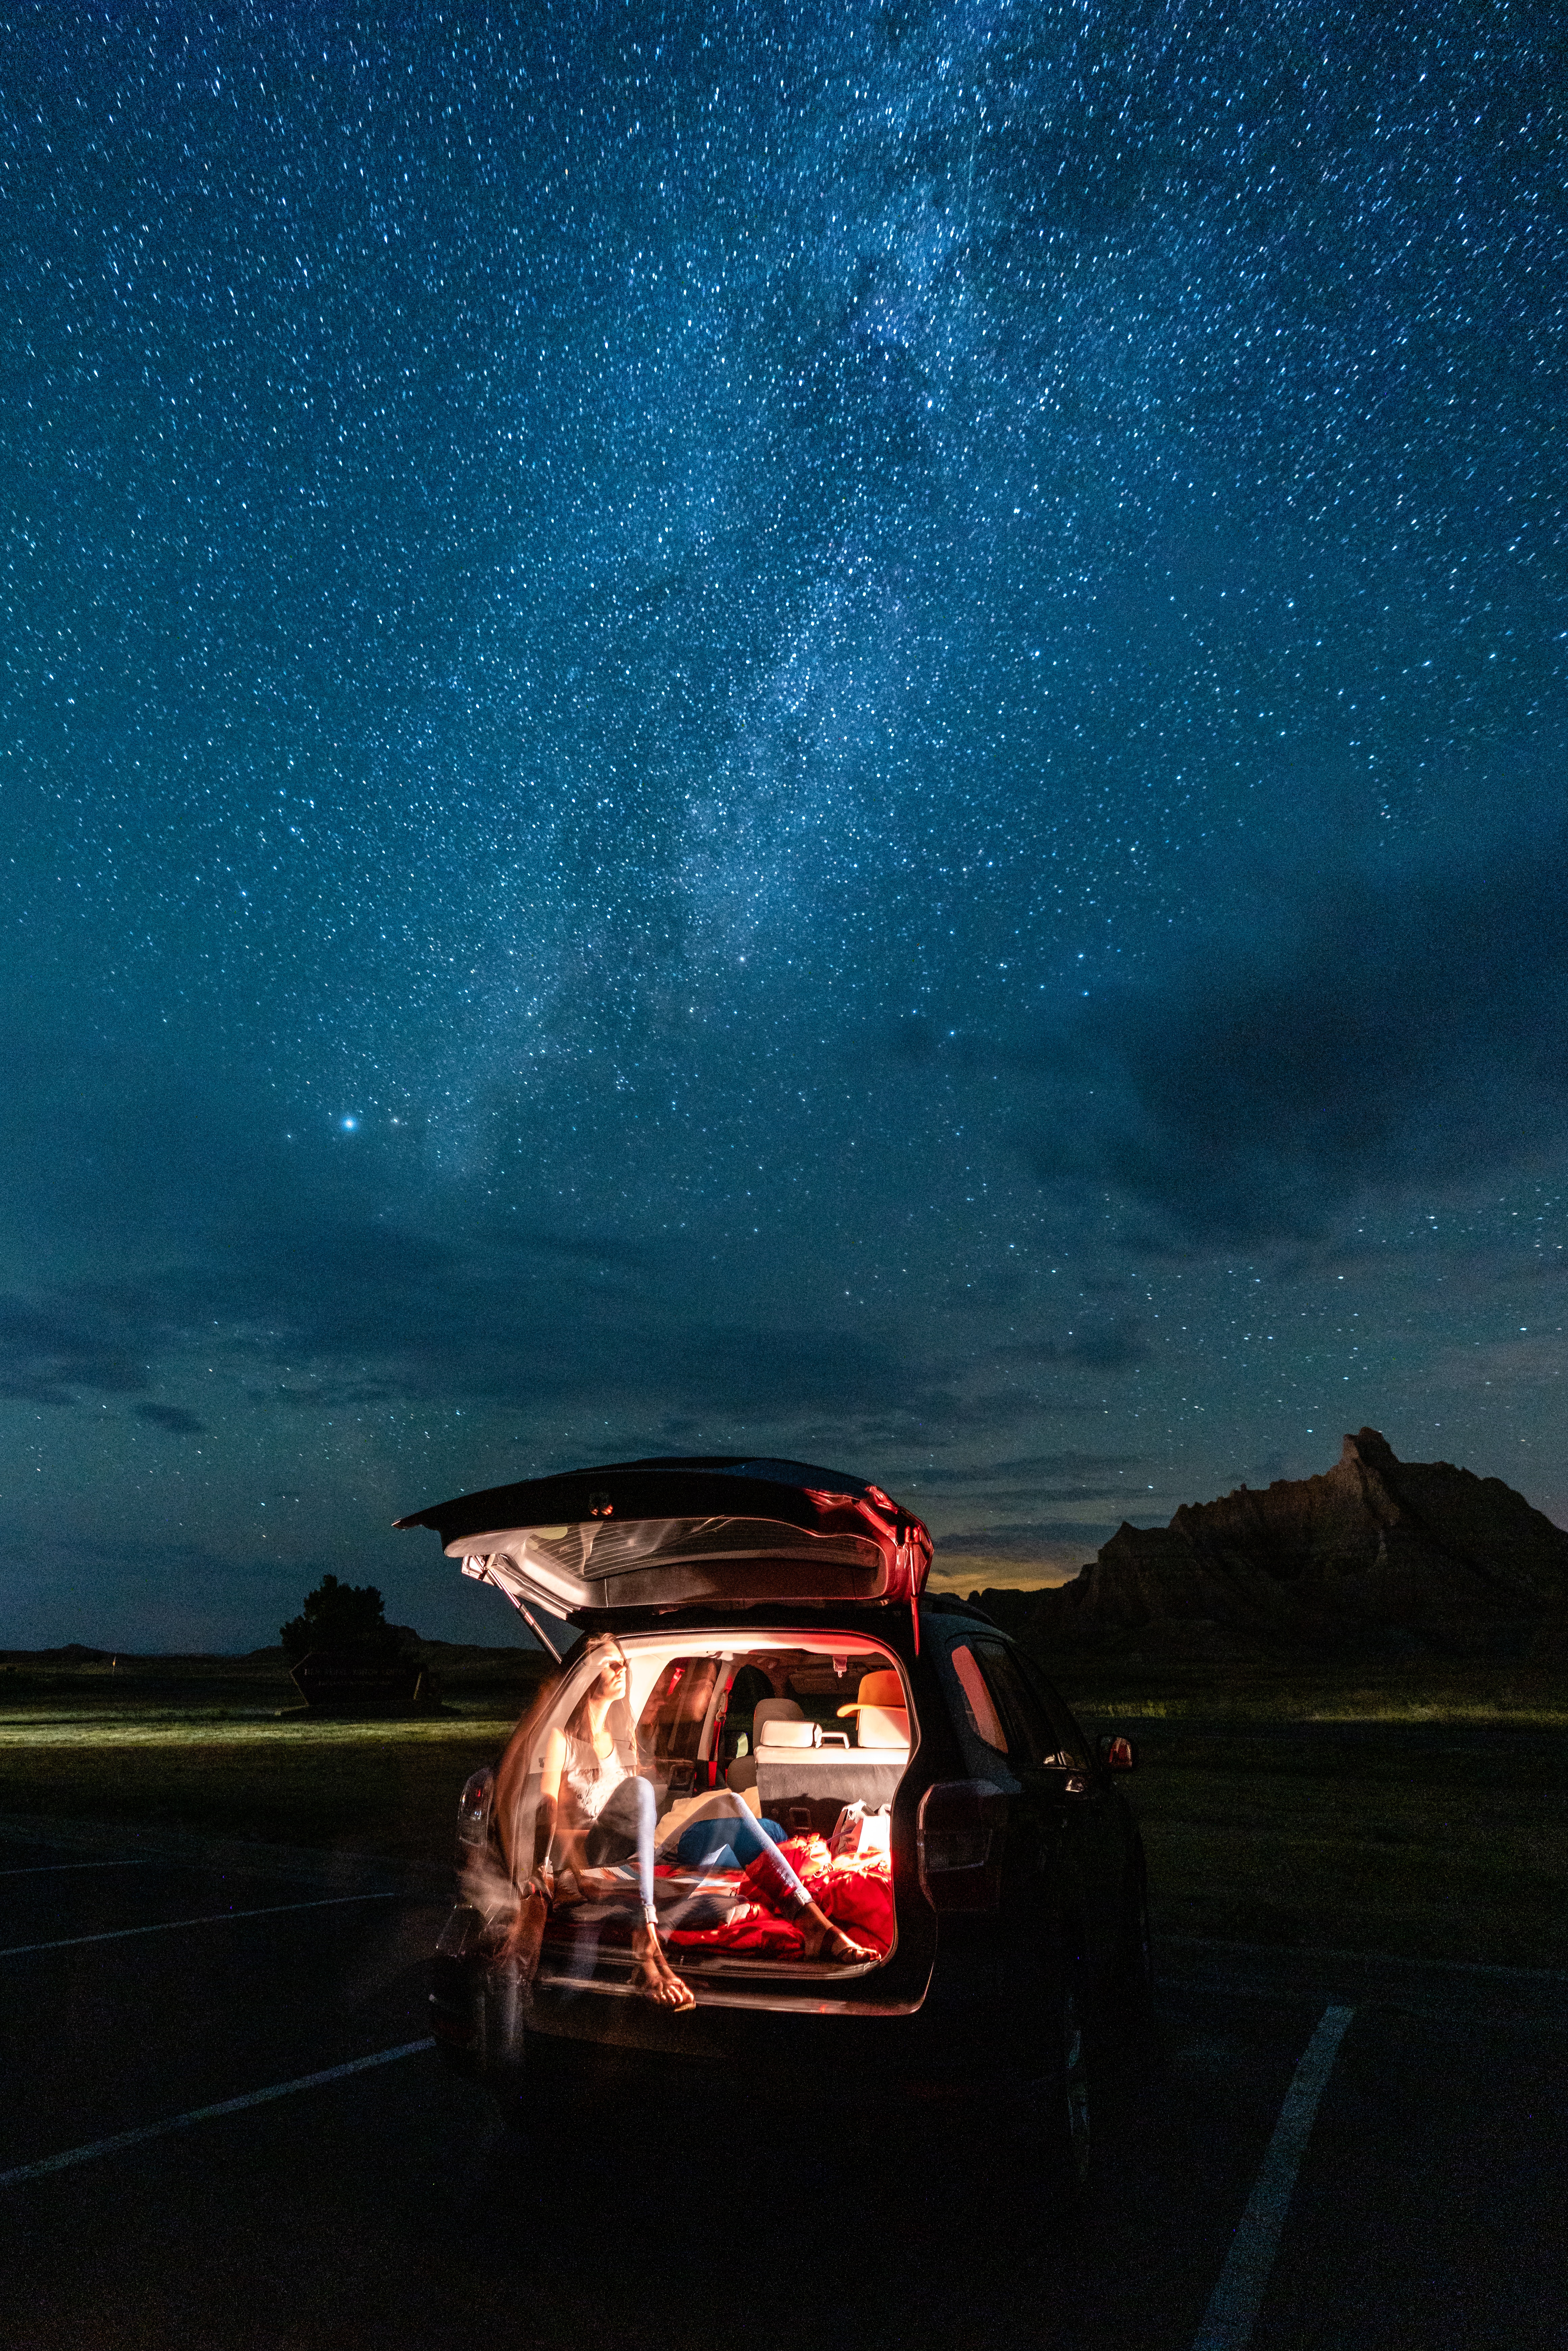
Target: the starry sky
(834, 730)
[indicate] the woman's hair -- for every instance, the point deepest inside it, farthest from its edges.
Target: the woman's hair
(577, 1724)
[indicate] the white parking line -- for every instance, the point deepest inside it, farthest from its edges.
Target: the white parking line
(212, 1918)
(42, 1868)
(1234, 2305)
(49, 2163)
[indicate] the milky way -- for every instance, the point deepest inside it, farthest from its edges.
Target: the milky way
(836, 730)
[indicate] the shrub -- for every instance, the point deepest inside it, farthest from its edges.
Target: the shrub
(338, 1617)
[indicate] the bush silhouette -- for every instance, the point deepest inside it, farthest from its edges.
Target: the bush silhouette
(338, 1617)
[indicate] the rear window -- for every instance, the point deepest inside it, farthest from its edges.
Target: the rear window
(1068, 1739)
(1037, 1733)
(984, 1720)
(1012, 1710)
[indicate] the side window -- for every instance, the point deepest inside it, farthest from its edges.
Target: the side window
(984, 1720)
(1066, 1737)
(1033, 1737)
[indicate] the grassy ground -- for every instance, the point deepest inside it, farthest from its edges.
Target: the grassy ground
(220, 1746)
(1422, 1813)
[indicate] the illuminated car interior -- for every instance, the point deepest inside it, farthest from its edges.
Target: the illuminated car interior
(809, 1733)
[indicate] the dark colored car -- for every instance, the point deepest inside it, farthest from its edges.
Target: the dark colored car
(926, 1776)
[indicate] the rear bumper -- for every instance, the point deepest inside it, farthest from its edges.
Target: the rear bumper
(928, 2030)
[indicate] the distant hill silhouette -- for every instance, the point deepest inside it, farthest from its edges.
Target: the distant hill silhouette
(73, 1653)
(1376, 1555)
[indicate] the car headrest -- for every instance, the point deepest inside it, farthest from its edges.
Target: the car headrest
(882, 1725)
(881, 1688)
(783, 1732)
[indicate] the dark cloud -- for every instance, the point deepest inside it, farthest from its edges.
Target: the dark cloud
(380, 1314)
(48, 1352)
(1405, 1026)
(322, 1266)
(1050, 1493)
(1024, 1541)
(577, 1249)
(157, 1595)
(172, 1416)
(1095, 1342)
(1031, 1467)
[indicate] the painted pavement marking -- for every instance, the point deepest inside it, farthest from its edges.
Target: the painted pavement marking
(51, 2163)
(1233, 2306)
(211, 1918)
(42, 1868)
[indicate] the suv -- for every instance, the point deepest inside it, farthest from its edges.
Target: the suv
(927, 1782)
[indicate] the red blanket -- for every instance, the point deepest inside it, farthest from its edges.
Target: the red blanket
(856, 1894)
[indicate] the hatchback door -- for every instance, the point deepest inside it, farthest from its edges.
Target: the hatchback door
(684, 1533)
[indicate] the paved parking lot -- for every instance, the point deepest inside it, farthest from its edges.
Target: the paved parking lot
(147, 1979)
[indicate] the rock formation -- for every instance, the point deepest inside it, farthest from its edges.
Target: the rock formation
(1377, 1554)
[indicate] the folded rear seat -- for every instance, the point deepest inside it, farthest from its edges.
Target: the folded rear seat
(805, 1776)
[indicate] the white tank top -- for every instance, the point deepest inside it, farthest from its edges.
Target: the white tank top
(590, 1780)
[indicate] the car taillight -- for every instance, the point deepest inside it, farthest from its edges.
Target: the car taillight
(962, 1830)
(473, 1812)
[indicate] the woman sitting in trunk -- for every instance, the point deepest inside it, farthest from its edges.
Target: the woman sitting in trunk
(595, 1813)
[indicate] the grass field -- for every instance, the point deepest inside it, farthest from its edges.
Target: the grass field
(222, 1746)
(1420, 1813)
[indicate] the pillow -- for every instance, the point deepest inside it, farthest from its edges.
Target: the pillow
(697, 1808)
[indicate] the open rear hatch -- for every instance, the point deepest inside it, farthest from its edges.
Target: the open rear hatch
(680, 1532)
(779, 1743)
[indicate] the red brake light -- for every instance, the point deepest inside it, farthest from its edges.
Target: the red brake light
(474, 1811)
(962, 1831)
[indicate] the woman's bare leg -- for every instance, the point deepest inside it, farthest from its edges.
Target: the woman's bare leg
(826, 1941)
(659, 1983)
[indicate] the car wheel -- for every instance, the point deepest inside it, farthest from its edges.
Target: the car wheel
(1052, 2125)
(1067, 2149)
(1136, 1966)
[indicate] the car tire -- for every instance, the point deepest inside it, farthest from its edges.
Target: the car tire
(1136, 1970)
(1052, 2117)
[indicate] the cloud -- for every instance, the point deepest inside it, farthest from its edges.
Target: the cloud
(158, 1597)
(172, 1416)
(330, 1275)
(1404, 1028)
(320, 1315)
(50, 1349)
(1018, 1541)
(1097, 1343)
(1028, 1472)
(1534, 1360)
(1051, 1550)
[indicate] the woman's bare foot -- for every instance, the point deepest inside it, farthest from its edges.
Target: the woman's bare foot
(660, 1983)
(826, 1941)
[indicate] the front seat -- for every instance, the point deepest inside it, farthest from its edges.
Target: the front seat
(742, 1773)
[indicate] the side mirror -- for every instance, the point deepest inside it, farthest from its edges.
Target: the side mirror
(1117, 1751)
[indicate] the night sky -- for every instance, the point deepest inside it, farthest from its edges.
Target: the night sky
(834, 730)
